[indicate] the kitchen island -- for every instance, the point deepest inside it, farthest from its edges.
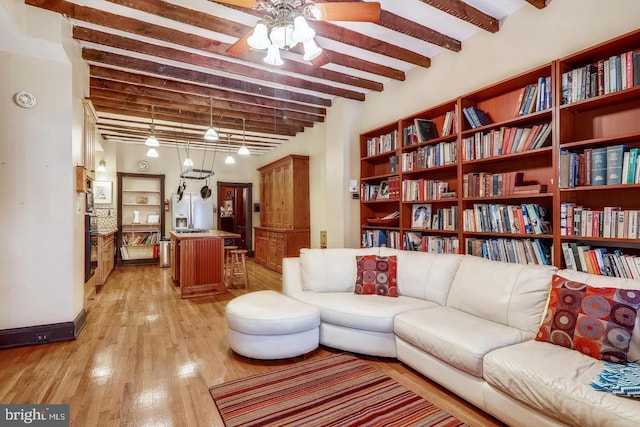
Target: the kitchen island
(197, 261)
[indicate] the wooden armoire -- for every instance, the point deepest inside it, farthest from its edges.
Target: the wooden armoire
(284, 211)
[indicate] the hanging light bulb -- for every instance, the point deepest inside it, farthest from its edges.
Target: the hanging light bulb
(152, 141)
(243, 150)
(188, 162)
(311, 50)
(229, 160)
(302, 32)
(152, 152)
(259, 38)
(211, 134)
(273, 56)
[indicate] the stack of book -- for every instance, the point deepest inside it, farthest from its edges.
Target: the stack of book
(607, 75)
(615, 164)
(517, 251)
(580, 257)
(506, 140)
(443, 153)
(435, 244)
(476, 117)
(534, 97)
(527, 218)
(610, 222)
(382, 144)
(423, 189)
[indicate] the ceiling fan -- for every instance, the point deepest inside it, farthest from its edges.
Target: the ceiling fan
(284, 25)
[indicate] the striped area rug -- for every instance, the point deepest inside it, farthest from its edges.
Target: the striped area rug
(337, 390)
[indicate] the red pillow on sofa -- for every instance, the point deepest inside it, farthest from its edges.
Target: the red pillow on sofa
(595, 321)
(376, 275)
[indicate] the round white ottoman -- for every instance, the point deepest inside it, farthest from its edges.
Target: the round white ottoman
(270, 325)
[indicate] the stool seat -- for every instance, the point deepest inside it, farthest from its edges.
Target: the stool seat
(238, 269)
(269, 325)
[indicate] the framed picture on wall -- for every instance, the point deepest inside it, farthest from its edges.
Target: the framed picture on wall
(102, 192)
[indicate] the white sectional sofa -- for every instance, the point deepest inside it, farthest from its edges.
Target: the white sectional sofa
(470, 325)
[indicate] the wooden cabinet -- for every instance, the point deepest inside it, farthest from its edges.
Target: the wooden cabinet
(515, 185)
(284, 215)
(106, 257)
(272, 245)
(141, 218)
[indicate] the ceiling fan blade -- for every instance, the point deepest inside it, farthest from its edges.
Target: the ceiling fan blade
(241, 46)
(321, 60)
(241, 3)
(359, 12)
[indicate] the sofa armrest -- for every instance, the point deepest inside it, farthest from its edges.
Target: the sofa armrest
(291, 276)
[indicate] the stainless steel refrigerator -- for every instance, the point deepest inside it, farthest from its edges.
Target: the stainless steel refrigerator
(192, 212)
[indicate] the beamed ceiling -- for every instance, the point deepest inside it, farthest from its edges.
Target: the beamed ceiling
(171, 57)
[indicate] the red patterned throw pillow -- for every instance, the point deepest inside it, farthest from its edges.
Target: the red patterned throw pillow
(376, 275)
(595, 321)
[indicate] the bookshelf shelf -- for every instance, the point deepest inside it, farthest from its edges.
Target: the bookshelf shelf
(578, 126)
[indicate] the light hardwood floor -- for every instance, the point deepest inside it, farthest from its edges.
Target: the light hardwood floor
(147, 358)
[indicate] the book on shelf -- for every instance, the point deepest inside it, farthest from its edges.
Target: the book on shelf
(380, 238)
(449, 124)
(421, 216)
(426, 129)
(614, 156)
(518, 251)
(476, 117)
(383, 193)
(600, 261)
(610, 222)
(606, 75)
(599, 166)
(415, 241)
(530, 189)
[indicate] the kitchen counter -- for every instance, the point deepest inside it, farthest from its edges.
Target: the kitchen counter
(198, 261)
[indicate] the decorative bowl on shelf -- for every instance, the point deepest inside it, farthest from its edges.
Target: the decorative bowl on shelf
(385, 222)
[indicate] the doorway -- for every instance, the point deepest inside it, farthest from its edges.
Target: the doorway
(234, 212)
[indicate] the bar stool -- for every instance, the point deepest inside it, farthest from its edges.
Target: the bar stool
(227, 264)
(238, 268)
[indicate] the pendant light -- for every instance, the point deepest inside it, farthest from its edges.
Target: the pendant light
(188, 162)
(211, 134)
(152, 141)
(243, 150)
(101, 166)
(229, 160)
(152, 152)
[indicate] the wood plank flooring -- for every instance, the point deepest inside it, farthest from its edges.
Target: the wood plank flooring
(147, 358)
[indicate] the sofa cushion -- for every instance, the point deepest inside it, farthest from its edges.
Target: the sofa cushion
(555, 380)
(615, 282)
(376, 275)
(595, 321)
(455, 337)
(330, 270)
(424, 275)
(511, 294)
(365, 312)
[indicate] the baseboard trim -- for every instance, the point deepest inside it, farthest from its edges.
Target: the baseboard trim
(43, 334)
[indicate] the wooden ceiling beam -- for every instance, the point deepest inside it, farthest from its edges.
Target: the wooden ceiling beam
(176, 114)
(343, 35)
(223, 26)
(540, 4)
(466, 12)
(142, 65)
(202, 110)
(216, 64)
(406, 26)
(219, 105)
(187, 119)
(235, 99)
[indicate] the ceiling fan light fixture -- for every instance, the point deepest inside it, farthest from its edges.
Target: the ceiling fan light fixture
(259, 39)
(302, 33)
(281, 35)
(311, 50)
(273, 56)
(312, 11)
(152, 152)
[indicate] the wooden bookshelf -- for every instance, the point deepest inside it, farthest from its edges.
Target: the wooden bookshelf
(574, 125)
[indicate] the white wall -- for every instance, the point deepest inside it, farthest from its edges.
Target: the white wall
(42, 274)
